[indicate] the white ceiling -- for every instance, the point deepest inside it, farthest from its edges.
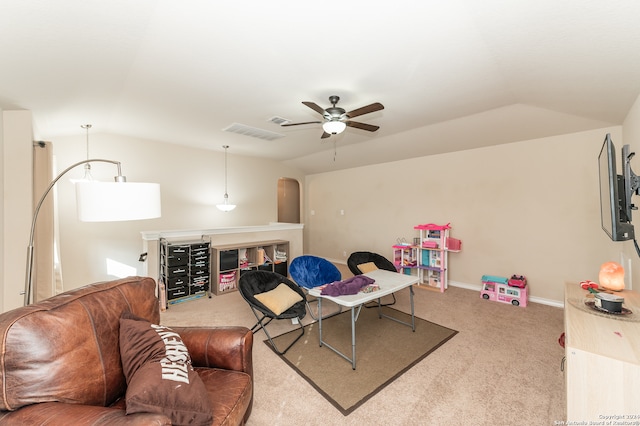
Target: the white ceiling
(451, 74)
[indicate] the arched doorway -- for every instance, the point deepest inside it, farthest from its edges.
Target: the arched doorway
(288, 200)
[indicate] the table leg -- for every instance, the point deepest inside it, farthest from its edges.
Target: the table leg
(320, 319)
(353, 338)
(413, 316)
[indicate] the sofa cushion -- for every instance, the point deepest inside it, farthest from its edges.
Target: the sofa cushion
(160, 377)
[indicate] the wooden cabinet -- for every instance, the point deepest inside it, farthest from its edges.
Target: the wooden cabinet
(230, 261)
(602, 368)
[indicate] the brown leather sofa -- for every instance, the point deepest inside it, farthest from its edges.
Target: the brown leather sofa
(60, 362)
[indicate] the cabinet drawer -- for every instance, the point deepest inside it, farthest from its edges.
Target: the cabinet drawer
(177, 250)
(177, 271)
(204, 279)
(198, 272)
(200, 252)
(198, 288)
(176, 282)
(174, 293)
(177, 260)
(200, 263)
(200, 246)
(200, 258)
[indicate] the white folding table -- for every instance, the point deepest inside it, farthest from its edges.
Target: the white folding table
(389, 282)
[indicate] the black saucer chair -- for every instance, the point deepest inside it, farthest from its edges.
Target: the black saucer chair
(358, 258)
(253, 283)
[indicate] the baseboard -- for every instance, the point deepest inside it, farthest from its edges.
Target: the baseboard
(532, 299)
(477, 287)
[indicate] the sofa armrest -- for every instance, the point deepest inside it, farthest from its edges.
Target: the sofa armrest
(59, 413)
(229, 348)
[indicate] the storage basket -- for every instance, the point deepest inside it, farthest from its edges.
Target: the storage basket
(227, 281)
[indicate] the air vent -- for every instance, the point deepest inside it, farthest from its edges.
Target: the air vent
(279, 120)
(243, 129)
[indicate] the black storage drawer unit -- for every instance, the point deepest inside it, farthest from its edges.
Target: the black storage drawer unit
(184, 269)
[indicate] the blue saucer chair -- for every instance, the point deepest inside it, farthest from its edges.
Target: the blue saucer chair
(312, 271)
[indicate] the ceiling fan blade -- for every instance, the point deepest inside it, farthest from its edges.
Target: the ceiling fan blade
(325, 135)
(314, 106)
(365, 110)
(363, 126)
(297, 124)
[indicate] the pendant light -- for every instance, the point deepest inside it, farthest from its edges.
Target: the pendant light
(86, 177)
(225, 206)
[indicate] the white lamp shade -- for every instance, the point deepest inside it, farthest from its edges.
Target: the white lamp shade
(117, 201)
(334, 127)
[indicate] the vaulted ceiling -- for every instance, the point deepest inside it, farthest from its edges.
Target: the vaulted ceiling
(452, 75)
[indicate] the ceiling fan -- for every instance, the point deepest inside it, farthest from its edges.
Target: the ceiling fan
(336, 119)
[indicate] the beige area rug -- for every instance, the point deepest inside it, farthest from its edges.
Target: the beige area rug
(385, 349)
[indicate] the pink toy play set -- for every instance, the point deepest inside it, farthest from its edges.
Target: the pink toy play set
(499, 289)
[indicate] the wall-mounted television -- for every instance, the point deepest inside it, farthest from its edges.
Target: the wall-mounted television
(616, 192)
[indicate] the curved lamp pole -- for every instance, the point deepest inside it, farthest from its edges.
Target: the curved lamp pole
(29, 279)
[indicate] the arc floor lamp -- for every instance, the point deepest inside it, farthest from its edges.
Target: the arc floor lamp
(101, 202)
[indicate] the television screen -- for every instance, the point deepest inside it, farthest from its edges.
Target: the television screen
(613, 201)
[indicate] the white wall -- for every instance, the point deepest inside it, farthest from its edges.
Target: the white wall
(631, 136)
(192, 182)
(529, 208)
(16, 146)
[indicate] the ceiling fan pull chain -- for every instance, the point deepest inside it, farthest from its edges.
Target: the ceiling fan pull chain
(335, 151)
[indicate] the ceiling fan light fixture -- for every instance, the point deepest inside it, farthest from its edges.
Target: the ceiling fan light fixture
(334, 127)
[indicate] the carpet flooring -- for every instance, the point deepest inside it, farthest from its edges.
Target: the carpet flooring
(502, 368)
(385, 349)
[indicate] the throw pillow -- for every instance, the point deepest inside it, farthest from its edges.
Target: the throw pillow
(367, 267)
(160, 377)
(279, 299)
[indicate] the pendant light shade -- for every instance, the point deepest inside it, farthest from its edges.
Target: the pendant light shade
(225, 206)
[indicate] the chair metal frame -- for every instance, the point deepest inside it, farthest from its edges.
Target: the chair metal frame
(270, 280)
